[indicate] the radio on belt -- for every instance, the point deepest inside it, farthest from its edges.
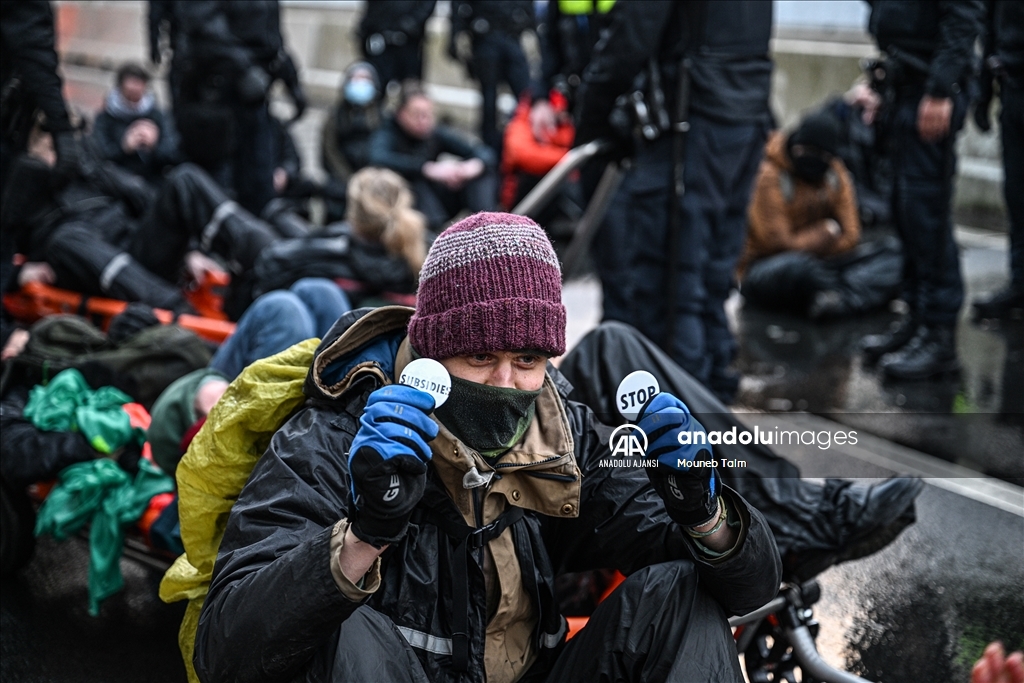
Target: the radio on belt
(426, 374)
(634, 391)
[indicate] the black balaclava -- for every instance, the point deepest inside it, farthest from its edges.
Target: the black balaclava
(819, 132)
(488, 419)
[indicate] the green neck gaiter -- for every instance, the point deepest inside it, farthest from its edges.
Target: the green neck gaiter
(488, 419)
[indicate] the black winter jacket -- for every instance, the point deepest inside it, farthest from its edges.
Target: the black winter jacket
(27, 52)
(391, 147)
(108, 131)
(274, 611)
(483, 16)
(240, 33)
(1004, 35)
(405, 17)
(940, 33)
(726, 42)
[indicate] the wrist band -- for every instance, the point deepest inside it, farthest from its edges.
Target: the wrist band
(723, 513)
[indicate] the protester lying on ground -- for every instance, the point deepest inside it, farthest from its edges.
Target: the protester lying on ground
(345, 137)
(815, 525)
(273, 322)
(107, 233)
(803, 227)
(380, 247)
(411, 142)
(132, 131)
(375, 539)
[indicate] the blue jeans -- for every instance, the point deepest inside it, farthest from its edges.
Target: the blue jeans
(280, 319)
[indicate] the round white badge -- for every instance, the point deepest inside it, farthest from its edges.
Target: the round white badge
(426, 374)
(634, 391)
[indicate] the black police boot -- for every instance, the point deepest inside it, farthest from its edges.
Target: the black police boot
(1002, 304)
(874, 346)
(853, 521)
(932, 351)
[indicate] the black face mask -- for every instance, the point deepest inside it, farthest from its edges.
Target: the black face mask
(488, 419)
(810, 168)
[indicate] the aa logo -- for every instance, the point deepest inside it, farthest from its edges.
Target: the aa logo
(628, 441)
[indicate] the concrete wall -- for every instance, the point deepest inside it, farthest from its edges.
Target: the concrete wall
(812, 63)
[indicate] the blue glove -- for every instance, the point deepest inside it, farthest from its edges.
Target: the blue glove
(690, 492)
(388, 462)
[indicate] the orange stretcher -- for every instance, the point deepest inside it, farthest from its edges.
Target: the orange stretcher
(36, 300)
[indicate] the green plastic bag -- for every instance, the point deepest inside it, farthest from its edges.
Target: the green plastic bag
(100, 493)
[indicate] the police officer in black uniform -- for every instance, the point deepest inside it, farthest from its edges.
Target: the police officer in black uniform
(485, 37)
(686, 240)
(233, 51)
(392, 34)
(1004, 64)
(930, 58)
(29, 83)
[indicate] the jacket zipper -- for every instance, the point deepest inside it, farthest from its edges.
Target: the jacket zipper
(532, 464)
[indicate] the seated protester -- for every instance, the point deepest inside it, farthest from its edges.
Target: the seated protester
(132, 131)
(376, 540)
(803, 227)
(107, 233)
(345, 137)
(410, 144)
(273, 322)
(528, 154)
(380, 247)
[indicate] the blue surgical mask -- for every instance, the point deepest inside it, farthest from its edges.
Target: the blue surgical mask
(360, 93)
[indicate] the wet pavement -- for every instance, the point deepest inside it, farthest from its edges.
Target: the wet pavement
(47, 635)
(975, 418)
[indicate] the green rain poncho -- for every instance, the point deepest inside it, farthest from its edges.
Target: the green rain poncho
(98, 492)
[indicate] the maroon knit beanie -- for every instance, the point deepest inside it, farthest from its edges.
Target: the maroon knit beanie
(491, 282)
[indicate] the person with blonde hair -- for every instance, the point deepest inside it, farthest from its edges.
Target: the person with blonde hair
(380, 211)
(379, 247)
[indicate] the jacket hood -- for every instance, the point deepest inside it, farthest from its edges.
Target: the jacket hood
(775, 150)
(362, 342)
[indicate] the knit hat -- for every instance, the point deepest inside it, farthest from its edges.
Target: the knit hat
(491, 282)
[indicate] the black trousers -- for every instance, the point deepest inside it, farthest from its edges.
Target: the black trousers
(497, 58)
(440, 204)
(139, 259)
(1011, 123)
(721, 162)
(398, 62)
(659, 625)
(865, 278)
(922, 196)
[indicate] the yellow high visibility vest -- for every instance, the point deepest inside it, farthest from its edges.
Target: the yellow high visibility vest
(584, 6)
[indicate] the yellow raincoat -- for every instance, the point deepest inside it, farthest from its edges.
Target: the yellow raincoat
(216, 467)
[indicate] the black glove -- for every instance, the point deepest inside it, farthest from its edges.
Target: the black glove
(69, 157)
(299, 98)
(284, 68)
(388, 462)
(253, 85)
(690, 492)
(984, 102)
